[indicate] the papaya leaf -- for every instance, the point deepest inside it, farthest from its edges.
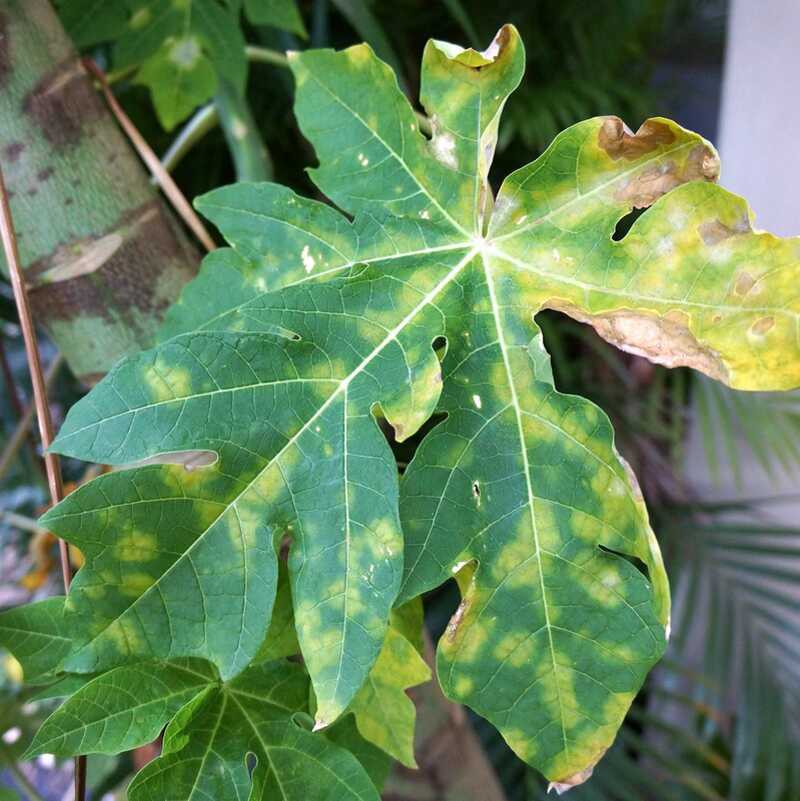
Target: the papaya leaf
(180, 78)
(37, 637)
(519, 491)
(65, 685)
(212, 727)
(204, 745)
(121, 709)
(90, 22)
(281, 639)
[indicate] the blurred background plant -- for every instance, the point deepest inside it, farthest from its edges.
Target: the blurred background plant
(206, 85)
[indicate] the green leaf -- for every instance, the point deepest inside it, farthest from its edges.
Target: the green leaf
(90, 22)
(180, 78)
(120, 710)
(8, 795)
(409, 620)
(37, 636)
(278, 13)
(384, 714)
(179, 49)
(519, 492)
(204, 747)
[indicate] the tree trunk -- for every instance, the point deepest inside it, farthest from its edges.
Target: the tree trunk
(103, 256)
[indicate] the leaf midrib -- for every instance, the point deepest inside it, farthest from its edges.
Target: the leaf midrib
(526, 468)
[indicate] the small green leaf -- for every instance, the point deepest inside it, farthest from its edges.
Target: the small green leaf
(409, 620)
(120, 710)
(180, 49)
(222, 39)
(384, 714)
(37, 636)
(150, 23)
(179, 77)
(205, 744)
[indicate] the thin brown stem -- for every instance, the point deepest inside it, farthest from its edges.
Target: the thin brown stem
(151, 160)
(15, 441)
(19, 409)
(51, 461)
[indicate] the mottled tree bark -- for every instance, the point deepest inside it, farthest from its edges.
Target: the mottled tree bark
(103, 256)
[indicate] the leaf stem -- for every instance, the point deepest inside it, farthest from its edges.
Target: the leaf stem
(21, 521)
(54, 480)
(202, 121)
(19, 409)
(24, 423)
(266, 55)
(250, 155)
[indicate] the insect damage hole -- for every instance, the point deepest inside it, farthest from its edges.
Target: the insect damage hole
(625, 223)
(476, 492)
(634, 560)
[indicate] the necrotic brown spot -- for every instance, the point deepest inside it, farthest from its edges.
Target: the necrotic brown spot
(716, 231)
(760, 327)
(744, 283)
(666, 339)
(620, 142)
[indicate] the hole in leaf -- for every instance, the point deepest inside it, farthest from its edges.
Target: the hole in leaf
(189, 460)
(624, 223)
(634, 560)
(476, 492)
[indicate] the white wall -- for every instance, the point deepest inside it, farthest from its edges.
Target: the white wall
(760, 119)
